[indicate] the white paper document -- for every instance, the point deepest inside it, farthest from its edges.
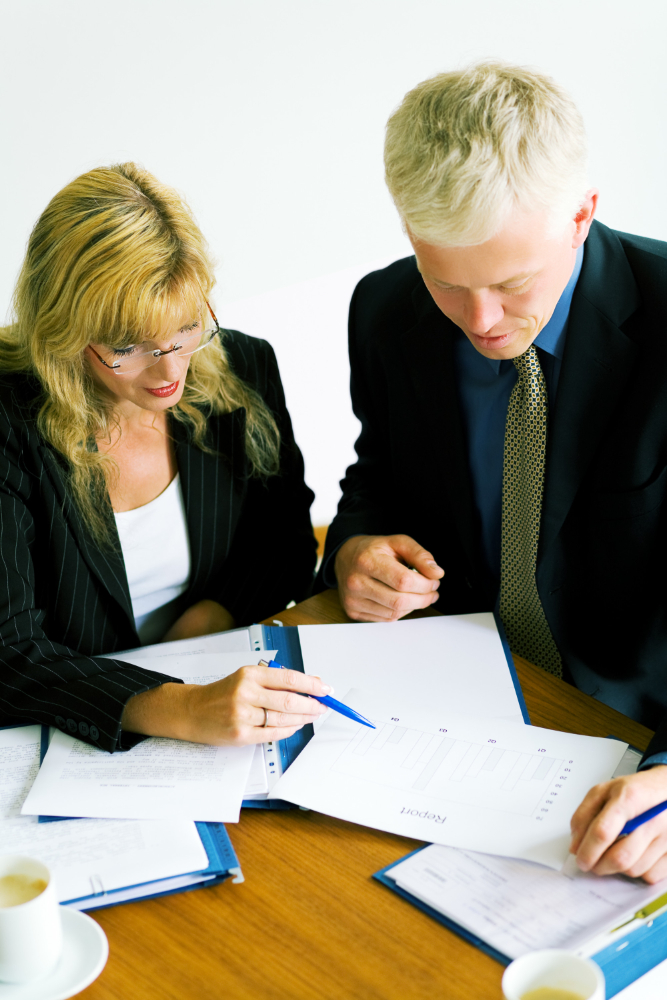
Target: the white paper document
(484, 785)
(197, 667)
(96, 855)
(456, 662)
(88, 856)
(236, 641)
(159, 779)
(516, 906)
(19, 764)
(257, 785)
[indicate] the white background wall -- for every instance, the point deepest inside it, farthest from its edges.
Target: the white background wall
(269, 115)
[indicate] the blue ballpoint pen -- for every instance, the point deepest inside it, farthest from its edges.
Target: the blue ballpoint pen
(327, 700)
(644, 817)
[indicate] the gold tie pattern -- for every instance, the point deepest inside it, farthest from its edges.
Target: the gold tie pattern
(521, 610)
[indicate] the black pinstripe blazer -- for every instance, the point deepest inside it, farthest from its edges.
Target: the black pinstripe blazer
(63, 601)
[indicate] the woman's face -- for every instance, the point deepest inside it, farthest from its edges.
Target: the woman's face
(156, 388)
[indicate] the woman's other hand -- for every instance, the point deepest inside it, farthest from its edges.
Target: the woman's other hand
(203, 618)
(230, 711)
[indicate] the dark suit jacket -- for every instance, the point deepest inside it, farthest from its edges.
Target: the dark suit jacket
(601, 567)
(62, 600)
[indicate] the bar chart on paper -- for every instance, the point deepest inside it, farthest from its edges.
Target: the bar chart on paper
(490, 785)
(454, 769)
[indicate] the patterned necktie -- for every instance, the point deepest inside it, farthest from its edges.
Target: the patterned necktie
(521, 610)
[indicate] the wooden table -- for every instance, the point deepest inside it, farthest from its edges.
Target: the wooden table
(309, 922)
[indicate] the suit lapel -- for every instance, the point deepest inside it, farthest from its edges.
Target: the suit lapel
(428, 358)
(213, 485)
(596, 365)
(108, 566)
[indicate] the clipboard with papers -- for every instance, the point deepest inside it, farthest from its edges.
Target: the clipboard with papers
(506, 907)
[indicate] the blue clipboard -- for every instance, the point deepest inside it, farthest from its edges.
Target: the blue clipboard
(622, 962)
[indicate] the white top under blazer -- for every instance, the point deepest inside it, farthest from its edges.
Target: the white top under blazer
(156, 549)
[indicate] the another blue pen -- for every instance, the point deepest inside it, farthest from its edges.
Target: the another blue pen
(327, 700)
(644, 817)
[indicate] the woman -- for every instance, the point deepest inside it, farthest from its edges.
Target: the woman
(150, 485)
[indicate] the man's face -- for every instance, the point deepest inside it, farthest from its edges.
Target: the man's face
(503, 292)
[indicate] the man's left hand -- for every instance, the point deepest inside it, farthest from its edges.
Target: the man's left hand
(602, 815)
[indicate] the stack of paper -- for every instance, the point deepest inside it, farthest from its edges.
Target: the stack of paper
(100, 862)
(158, 779)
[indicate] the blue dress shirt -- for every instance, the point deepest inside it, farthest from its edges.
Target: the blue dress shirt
(485, 386)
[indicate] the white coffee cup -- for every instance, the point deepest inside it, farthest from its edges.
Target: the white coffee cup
(553, 968)
(30, 930)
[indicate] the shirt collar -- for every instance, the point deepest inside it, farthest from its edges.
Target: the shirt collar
(552, 337)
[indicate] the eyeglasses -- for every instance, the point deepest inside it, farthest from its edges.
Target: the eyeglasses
(136, 358)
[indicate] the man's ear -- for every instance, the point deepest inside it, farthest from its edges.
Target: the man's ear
(584, 217)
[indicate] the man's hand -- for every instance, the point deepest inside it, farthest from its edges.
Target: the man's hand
(602, 815)
(376, 580)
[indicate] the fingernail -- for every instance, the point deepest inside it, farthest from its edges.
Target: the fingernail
(431, 562)
(327, 689)
(322, 709)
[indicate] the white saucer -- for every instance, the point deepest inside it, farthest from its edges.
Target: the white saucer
(85, 953)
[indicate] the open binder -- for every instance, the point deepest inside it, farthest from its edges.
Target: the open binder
(285, 639)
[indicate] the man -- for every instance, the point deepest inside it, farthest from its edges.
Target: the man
(510, 382)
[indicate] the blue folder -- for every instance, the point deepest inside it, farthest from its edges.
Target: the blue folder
(622, 962)
(222, 862)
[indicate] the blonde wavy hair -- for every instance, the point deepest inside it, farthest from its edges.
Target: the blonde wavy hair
(115, 258)
(466, 148)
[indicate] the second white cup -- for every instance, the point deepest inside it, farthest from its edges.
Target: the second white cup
(30, 924)
(552, 974)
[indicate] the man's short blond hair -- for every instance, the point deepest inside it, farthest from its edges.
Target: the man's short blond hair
(465, 149)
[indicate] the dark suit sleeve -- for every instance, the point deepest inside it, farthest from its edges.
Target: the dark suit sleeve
(272, 557)
(657, 745)
(43, 681)
(363, 507)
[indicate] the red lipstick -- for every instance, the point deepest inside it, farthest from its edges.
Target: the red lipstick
(167, 390)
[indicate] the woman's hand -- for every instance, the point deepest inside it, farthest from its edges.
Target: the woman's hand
(229, 711)
(602, 815)
(202, 618)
